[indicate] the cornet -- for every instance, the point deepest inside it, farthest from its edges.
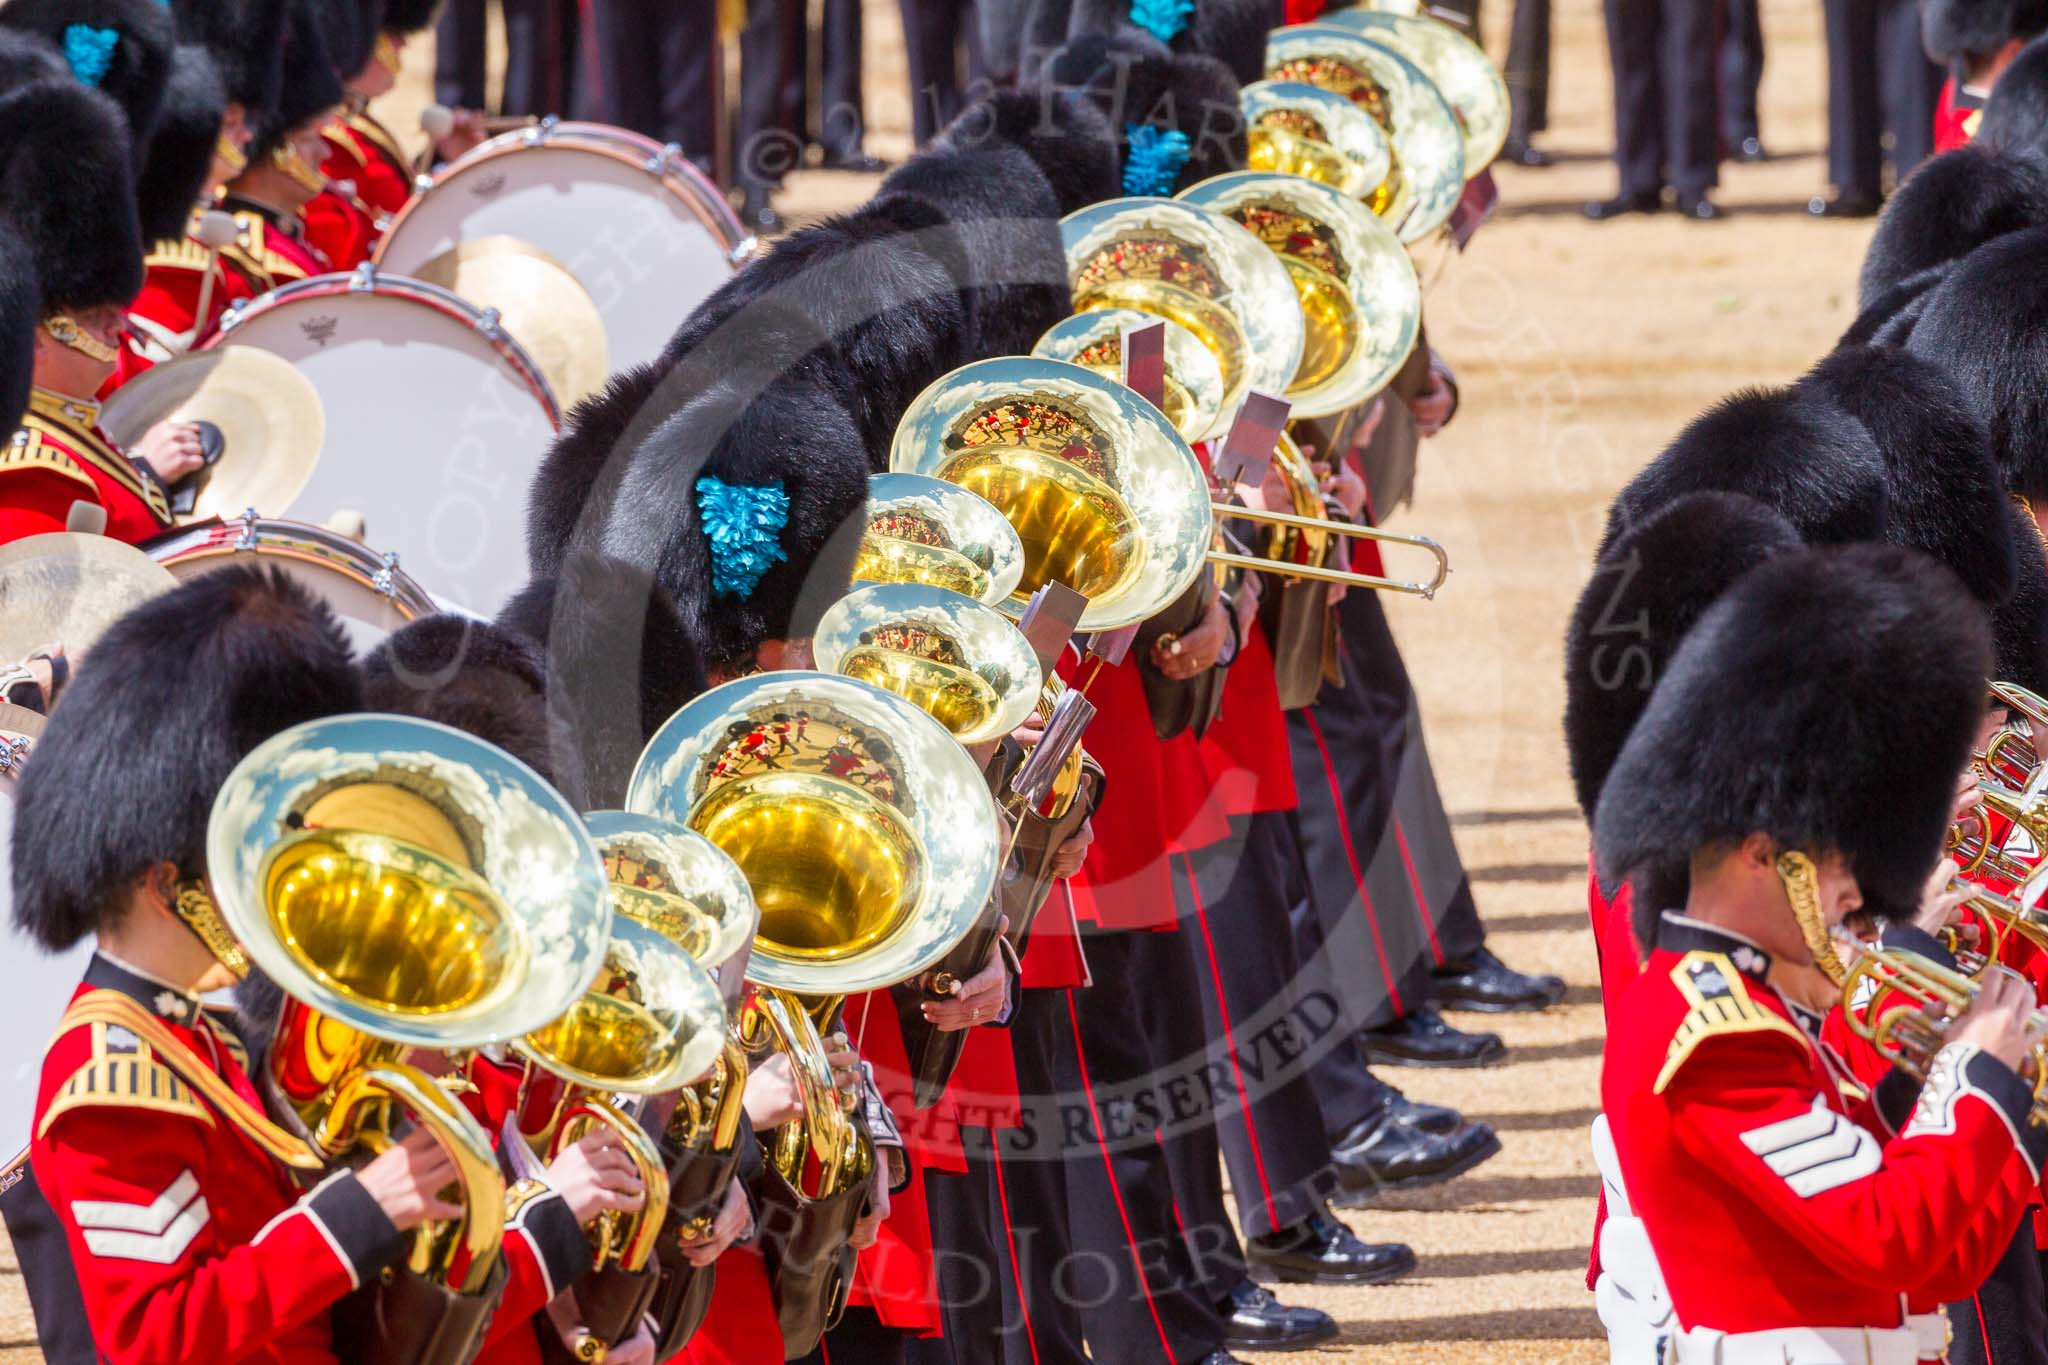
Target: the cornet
(1903, 1005)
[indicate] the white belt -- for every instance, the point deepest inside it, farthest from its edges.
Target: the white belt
(1799, 1346)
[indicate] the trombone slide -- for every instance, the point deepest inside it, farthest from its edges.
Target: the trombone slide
(1321, 526)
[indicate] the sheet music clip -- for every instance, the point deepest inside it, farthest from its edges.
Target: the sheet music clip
(1048, 622)
(1035, 775)
(1248, 448)
(1111, 646)
(1144, 353)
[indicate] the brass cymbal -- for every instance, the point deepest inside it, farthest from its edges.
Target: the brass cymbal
(1454, 64)
(269, 414)
(67, 588)
(543, 306)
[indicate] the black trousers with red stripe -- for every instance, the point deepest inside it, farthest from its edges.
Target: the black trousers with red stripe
(1132, 1276)
(1261, 1029)
(2006, 1321)
(1000, 1236)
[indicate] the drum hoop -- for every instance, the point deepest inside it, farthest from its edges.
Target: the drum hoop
(684, 181)
(304, 543)
(366, 280)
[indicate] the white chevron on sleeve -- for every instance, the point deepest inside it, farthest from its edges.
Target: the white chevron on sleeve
(157, 1232)
(1816, 1152)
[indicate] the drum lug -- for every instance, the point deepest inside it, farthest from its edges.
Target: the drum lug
(247, 539)
(422, 183)
(744, 252)
(233, 315)
(385, 580)
(13, 752)
(664, 161)
(491, 324)
(364, 280)
(542, 131)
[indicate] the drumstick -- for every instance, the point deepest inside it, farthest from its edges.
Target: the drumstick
(214, 232)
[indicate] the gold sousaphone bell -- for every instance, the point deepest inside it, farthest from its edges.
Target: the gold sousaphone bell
(407, 886)
(925, 530)
(953, 658)
(1193, 377)
(1360, 301)
(1105, 495)
(1429, 145)
(1294, 128)
(1194, 268)
(1459, 69)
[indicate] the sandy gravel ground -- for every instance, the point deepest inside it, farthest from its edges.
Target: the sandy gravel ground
(1581, 349)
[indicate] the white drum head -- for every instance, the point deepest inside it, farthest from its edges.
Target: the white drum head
(648, 245)
(434, 428)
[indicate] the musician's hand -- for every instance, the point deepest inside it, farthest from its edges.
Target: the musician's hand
(2001, 1020)
(977, 1000)
(845, 1064)
(870, 1225)
(567, 1320)
(772, 1098)
(171, 450)
(470, 131)
(1183, 656)
(637, 1349)
(1347, 486)
(1432, 408)
(1942, 896)
(1074, 852)
(406, 1179)
(1245, 603)
(596, 1176)
(733, 1222)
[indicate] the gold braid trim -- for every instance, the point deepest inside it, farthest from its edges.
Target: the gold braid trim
(124, 1080)
(1721, 1004)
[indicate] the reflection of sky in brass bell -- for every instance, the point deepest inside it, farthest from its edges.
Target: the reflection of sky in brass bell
(1189, 364)
(1347, 130)
(536, 857)
(983, 639)
(943, 797)
(1428, 142)
(1460, 70)
(961, 520)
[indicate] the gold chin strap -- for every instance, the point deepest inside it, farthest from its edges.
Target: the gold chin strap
(387, 54)
(230, 156)
(65, 330)
(286, 158)
(203, 917)
(1802, 888)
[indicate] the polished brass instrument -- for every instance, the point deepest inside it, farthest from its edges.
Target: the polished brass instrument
(2006, 917)
(1429, 146)
(870, 843)
(1903, 1005)
(1302, 538)
(652, 1021)
(1460, 70)
(2011, 758)
(1294, 128)
(925, 530)
(1193, 379)
(1360, 300)
(1194, 268)
(1970, 844)
(2028, 812)
(951, 657)
(1105, 495)
(407, 886)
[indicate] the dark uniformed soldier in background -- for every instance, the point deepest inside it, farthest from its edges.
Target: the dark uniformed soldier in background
(540, 54)
(1879, 83)
(1662, 52)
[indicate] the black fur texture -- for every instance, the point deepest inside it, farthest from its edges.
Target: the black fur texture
(349, 28)
(1828, 700)
(473, 676)
(1005, 258)
(1944, 496)
(1136, 80)
(1062, 131)
(2015, 118)
(180, 155)
(1951, 205)
(311, 84)
(574, 466)
(246, 38)
(1234, 33)
(21, 308)
(1888, 317)
(1950, 29)
(1789, 450)
(2019, 624)
(407, 17)
(1986, 326)
(68, 186)
(172, 696)
(1645, 594)
(141, 65)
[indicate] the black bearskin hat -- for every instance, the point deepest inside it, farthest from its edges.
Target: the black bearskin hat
(1141, 85)
(862, 303)
(761, 487)
(1986, 327)
(180, 156)
(1006, 258)
(1828, 700)
(574, 465)
(407, 17)
(618, 684)
(349, 28)
(311, 88)
(2019, 624)
(67, 185)
(246, 38)
(1954, 28)
(121, 47)
(1064, 134)
(483, 679)
(2016, 116)
(1950, 206)
(1792, 451)
(1644, 595)
(1943, 494)
(170, 699)
(1232, 31)
(21, 310)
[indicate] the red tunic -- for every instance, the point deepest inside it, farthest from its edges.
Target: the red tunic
(740, 1327)
(1245, 751)
(1769, 1202)
(362, 153)
(164, 319)
(1956, 115)
(190, 1242)
(271, 249)
(60, 456)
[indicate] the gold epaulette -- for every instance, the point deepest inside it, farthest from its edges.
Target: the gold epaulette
(253, 241)
(181, 253)
(27, 451)
(86, 447)
(335, 131)
(123, 1073)
(1721, 1004)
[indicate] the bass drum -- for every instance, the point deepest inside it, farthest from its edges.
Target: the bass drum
(436, 422)
(371, 594)
(638, 226)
